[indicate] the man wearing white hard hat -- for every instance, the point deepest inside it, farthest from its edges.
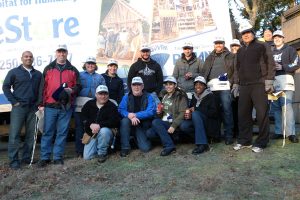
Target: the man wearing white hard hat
(60, 85)
(253, 79)
(187, 68)
(218, 70)
(287, 62)
(113, 81)
(204, 121)
(137, 109)
(149, 70)
(99, 116)
(90, 80)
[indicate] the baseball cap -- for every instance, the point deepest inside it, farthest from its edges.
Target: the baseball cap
(245, 27)
(102, 88)
(90, 59)
(278, 33)
(219, 39)
(112, 62)
(188, 45)
(145, 47)
(200, 79)
(171, 79)
(235, 42)
(62, 47)
(137, 80)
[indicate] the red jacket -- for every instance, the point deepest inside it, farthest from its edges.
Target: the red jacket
(53, 78)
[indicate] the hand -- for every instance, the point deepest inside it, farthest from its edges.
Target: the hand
(95, 128)
(235, 90)
(188, 75)
(68, 90)
(16, 104)
(192, 109)
(135, 121)
(171, 130)
(278, 66)
(158, 111)
(188, 115)
(269, 88)
(131, 115)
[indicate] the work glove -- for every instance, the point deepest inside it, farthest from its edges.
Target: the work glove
(235, 90)
(269, 88)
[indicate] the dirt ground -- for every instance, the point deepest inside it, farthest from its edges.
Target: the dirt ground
(220, 173)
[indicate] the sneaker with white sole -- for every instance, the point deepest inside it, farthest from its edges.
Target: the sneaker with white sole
(240, 146)
(257, 149)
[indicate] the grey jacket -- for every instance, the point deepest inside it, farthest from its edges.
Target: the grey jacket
(182, 66)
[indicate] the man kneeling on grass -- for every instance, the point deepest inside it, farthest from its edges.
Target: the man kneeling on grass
(99, 116)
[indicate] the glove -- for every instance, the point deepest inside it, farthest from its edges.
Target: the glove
(235, 90)
(269, 88)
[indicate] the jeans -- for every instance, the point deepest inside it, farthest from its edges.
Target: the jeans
(98, 145)
(78, 133)
(196, 127)
(224, 98)
(138, 131)
(56, 123)
(160, 128)
(277, 107)
(18, 116)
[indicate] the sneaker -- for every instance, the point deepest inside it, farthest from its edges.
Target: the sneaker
(166, 152)
(102, 158)
(276, 136)
(43, 163)
(240, 146)
(257, 149)
(124, 152)
(200, 149)
(293, 139)
(58, 162)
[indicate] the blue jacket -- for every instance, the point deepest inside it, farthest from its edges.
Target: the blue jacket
(25, 87)
(148, 108)
(89, 83)
(115, 87)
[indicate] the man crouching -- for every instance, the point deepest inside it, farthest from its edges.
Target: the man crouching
(99, 116)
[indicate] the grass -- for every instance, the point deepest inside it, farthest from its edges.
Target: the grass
(220, 173)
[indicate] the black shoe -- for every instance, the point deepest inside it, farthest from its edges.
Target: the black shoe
(15, 165)
(124, 152)
(79, 155)
(228, 141)
(58, 162)
(293, 139)
(166, 152)
(102, 158)
(43, 163)
(276, 136)
(201, 148)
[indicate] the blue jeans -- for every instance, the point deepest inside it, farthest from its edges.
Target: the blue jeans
(277, 107)
(18, 116)
(78, 133)
(195, 126)
(56, 123)
(224, 98)
(98, 145)
(139, 132)
(160, 128)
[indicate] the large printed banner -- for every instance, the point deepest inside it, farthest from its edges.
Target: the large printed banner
(108, 29)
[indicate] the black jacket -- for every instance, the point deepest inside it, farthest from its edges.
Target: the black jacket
(150, 72)
(106, 116)
(254, 64)
(115, 87)
(25, 88)
(209, 106)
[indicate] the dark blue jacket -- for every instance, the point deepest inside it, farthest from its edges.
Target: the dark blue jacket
(25, 87)
(115, 87)
(148, 108)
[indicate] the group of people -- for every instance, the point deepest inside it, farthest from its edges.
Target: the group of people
(194, 101)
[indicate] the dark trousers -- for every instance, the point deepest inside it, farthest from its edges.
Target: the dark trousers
(253, 95)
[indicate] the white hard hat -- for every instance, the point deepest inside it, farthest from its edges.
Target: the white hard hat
(112, 62)
(102, 88)
(200, 79)
(137, 80)
(278, 33)
(245, 27)
(219, 39)
(145, 47)
(90, 59)
(62, 47)
(188, 45)
(235, 42)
